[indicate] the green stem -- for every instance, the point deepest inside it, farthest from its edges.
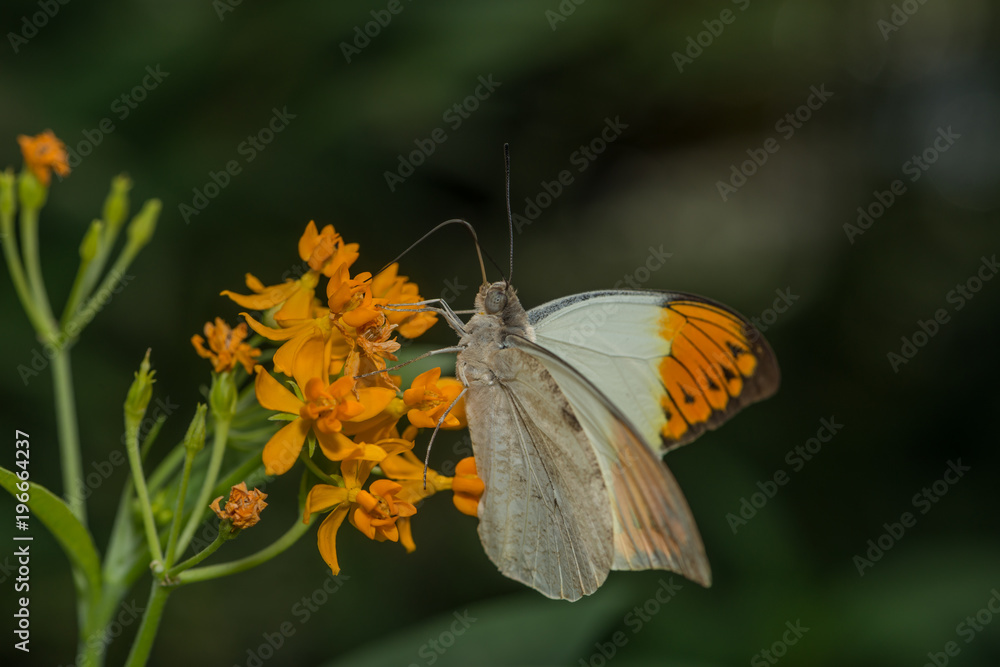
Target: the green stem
(175, 524)
(315, 469)
(215, 463)
(143, 644)
(224, 569)
(102, 294)
(69, 437)
(32, 262)
(197, 558)
(16, 270)
(135, 462)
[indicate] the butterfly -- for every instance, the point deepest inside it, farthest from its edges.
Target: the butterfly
(570, 407)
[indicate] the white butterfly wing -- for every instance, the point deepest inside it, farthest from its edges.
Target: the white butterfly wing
(675, 364)
(653, 526)
(538, 520)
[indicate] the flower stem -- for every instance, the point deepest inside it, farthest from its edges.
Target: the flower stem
(139, 479)
(297, 530)
(197, 558)
(32, 261)
(143, 644)
(215, 463)
(175, 524)
(69, 437)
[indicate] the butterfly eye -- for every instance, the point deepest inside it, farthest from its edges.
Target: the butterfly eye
(496, 300)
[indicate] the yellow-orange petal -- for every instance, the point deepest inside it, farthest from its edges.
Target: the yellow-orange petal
(406, 534)
(361, 520)
(334, 445)
(326, 537)
(276, 334)
(385, 487)
(420, 419)
(270, 297)
(374, 400)
(273, 396)
(466, 505)
(282, 450)
(323, 497)
(472, 486)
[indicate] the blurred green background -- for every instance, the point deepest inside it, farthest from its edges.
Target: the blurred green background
(894, 77)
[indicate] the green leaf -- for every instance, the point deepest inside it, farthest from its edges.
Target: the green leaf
(67, 529)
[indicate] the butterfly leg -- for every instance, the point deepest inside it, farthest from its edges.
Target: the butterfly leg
(437, 427)
(443, 350)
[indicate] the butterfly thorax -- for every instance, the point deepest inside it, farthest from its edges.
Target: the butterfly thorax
(499, 315)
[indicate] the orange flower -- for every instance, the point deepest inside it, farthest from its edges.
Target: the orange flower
(467, 486)
(226, 346)
(375, 511)
(294, 296)
(311, 347)
(324, 410)
(390, 288)
(243, 507)
(428, 398)
(324, 251)
(43, 153)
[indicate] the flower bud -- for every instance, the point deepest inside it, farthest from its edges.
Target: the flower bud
(139, 394)
(194, 439)
(141, 229)
(117, 202)
(91, 241)
(31, 191)
(222, 396)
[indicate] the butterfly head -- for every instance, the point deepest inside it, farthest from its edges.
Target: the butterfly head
(500, 300)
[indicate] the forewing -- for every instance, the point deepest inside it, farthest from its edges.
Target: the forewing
(653, 526)
(543, 518)
(675, 364)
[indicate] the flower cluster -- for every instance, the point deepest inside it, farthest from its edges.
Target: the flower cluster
(334, 356)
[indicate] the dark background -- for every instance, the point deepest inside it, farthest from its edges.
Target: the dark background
(656, 184)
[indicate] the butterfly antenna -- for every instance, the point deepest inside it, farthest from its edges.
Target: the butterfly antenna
(456, 221)
(510, 219)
